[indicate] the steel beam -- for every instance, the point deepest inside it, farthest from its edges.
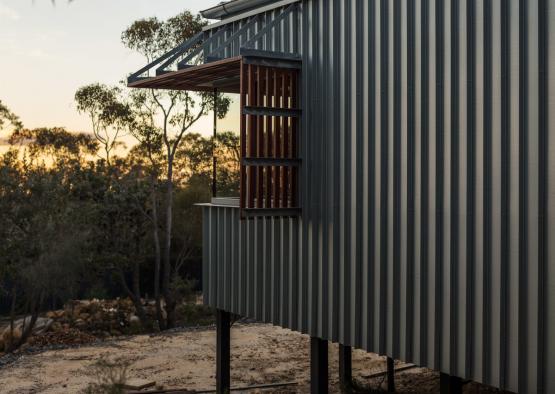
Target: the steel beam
(223, 352)
(270, 161)
(271, 212)
(390, 375)
(318, 366)
(345, 367)
(234, 36)
(269, 111)
(270, 26)
(449, 384)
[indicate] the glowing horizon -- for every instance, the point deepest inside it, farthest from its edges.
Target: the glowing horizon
(48, 52)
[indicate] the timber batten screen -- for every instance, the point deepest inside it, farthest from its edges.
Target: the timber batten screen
(268, 84)
(269, 141)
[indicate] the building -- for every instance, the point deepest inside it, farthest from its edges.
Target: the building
(398, 180)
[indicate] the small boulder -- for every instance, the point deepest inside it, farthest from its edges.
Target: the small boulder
(134, 319)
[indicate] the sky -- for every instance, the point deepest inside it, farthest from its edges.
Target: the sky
(47, 52)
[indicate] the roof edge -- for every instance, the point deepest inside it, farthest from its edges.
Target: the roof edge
(224, 10)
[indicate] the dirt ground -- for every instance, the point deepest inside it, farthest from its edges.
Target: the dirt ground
(186, 360)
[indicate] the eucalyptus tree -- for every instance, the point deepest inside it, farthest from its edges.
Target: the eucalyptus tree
(109, 115)
(8, 117)
(169, 115)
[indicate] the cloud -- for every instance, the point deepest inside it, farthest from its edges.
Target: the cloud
(9, 13)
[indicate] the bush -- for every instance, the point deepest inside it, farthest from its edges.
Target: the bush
(110, 376)
(191, 315)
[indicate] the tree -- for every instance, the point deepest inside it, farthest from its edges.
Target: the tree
(54, 142)
(8, 117)
(110, 117)
(120, 233)
(169, 115)
(44, 230)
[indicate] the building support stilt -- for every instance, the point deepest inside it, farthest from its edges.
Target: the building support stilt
(318, 366)
(345, 366)
(390, 375)
(450, 384)
(223, 352)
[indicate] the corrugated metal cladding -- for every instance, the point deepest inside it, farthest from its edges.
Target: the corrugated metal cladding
(428, 181)
(285, 38)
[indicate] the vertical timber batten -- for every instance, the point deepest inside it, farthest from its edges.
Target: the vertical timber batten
(269, 165)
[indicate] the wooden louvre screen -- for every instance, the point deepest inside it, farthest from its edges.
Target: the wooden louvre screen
(269, 141)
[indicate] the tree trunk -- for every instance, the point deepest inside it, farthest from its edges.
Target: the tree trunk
(27, 330)
(12, 316)
(135, 297)
(166, 282)
(157, 260)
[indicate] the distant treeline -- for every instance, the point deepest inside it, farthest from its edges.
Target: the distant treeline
(82, 216)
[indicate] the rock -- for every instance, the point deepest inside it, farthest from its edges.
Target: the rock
(79, 323)
(134, 319)
(7, 337)
(42, 325)
(138, 384)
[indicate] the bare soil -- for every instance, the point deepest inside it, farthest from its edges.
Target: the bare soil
(186, 360)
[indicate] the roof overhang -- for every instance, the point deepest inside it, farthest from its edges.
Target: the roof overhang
(223, 75)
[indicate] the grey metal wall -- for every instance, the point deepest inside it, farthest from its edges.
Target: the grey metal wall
(251, 268)
(428, 181)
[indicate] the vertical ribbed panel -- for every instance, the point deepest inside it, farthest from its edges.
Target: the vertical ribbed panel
(249, 265)
(428, 190)
(284, 38)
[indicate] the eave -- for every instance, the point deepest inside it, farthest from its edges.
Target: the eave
(223, 75)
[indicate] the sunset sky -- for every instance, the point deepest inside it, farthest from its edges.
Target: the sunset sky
(47, 52)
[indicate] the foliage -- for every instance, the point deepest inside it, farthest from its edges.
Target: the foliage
(109, 115)
(163, 120)
(8, 117)
(151, 37)
(191, 314)
(54, 141)
(78, 219)
(110, 376)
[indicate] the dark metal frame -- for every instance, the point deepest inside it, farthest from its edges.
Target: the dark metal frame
(319, 374)
(200, 46)
(223, 351)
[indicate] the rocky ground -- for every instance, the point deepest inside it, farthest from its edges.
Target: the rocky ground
(185, 359)
(86, 321)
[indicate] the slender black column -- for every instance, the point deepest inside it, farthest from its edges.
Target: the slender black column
(223, 353)
(318, 366)
(345, 366)
(450, 384)
(390, 375)
(214, 159)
